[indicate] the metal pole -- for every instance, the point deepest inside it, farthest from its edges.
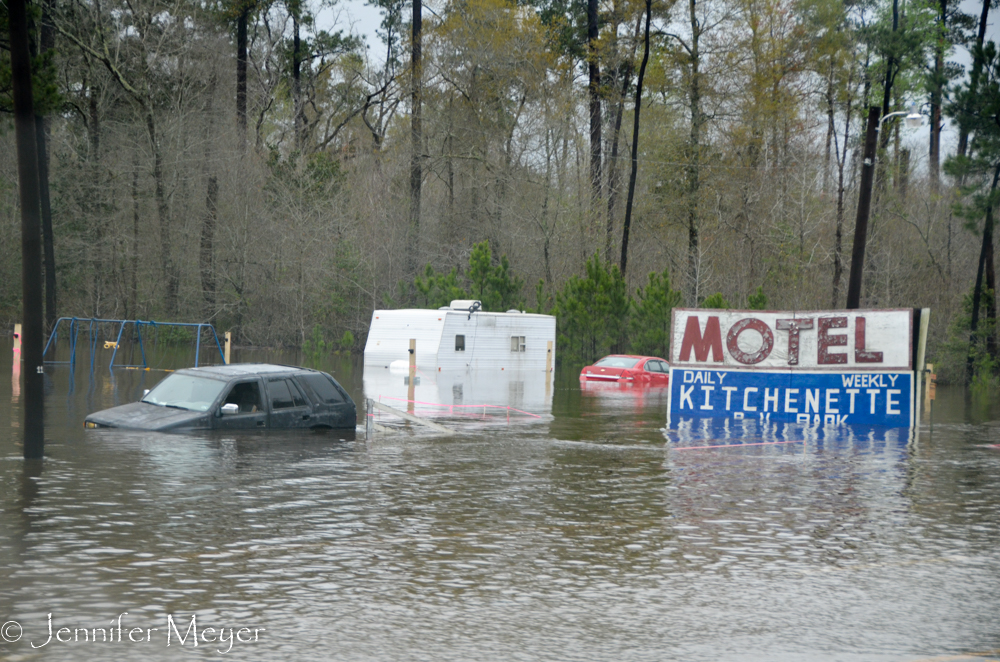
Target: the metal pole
(197, 347)
(31, 234)
(410, 393)
(864, 207)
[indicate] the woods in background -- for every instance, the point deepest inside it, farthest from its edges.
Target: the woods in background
(256, 165)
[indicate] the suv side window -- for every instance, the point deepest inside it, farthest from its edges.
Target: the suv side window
(322, 388)
(298, 399)
(281, 398)
(246, 395)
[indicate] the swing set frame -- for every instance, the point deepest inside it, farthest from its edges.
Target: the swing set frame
(93, 325)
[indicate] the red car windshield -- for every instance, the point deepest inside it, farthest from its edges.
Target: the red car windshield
(617, 362)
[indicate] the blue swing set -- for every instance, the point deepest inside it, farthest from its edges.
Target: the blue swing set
(92, 325)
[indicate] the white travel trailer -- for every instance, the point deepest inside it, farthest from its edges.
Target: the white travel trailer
(461, 337)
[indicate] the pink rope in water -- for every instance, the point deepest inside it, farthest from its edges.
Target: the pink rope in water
(438, 404)
(763, 443)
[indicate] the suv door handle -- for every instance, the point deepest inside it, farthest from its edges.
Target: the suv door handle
(305, 417)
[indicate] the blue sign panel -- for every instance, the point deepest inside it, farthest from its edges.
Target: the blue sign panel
(813, 398)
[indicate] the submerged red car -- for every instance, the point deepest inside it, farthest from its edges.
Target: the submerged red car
(626, 368)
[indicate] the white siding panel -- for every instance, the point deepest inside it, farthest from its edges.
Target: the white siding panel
(390, 333)
(488, 341)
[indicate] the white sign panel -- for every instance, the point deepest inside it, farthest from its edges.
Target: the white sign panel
(836, 340)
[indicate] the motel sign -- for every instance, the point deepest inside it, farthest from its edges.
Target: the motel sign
(810, 367)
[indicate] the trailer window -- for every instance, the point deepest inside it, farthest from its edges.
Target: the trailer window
(459, 343)
(517, 343)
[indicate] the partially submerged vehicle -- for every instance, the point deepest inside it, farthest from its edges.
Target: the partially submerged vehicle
(238, 396)
(628, 368)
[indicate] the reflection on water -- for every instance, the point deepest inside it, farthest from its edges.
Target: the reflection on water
(590, 534)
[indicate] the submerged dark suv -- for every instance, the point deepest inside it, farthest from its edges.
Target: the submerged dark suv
(236, 396)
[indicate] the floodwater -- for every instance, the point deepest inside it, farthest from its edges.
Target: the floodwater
(585, 534)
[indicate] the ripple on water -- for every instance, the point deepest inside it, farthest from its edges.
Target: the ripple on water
(567, 539)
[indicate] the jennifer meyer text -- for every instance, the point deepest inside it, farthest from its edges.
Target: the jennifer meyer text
(184, 631)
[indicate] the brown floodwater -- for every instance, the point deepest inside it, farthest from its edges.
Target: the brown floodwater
(584, 534)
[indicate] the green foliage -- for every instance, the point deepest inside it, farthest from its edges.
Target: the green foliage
(435, 290)
(171, 335)
(756, 301)
(715, 301)
(44, 76)
(315, 347)
(952, 361)
(347, 341)
(480, 270)
(592, 313)
(650, 322)
(496, 286)
(543, 303)
(977, 107)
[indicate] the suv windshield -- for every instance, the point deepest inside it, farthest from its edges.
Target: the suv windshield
(185, 392)
(617, 362)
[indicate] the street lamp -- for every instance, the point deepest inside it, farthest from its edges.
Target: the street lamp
(913, 120)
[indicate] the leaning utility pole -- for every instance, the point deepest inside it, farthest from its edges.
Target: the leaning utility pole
(31, 244)
(864, 207)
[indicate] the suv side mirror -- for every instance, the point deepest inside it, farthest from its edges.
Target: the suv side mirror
(230, 408)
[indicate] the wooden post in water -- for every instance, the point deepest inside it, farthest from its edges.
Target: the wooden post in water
(930, 388)
(410, 394)
(16, 376)
(548, 357)
(369, 418)
(229, 339)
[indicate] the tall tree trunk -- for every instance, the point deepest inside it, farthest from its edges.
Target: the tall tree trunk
(416, 134)
(170, 274)
(635, 140)
(594, 93)
(207, 251)
(134, 266)
(94, 202)
(890, 78)
(33, 328)
(241, 73)
(694, 157)
(205, 256)
(977, 68)
(985, 268)
(613, 175)
(295, 9)
(830, 128)
(838, 252)
(43, 128)
(937, 86)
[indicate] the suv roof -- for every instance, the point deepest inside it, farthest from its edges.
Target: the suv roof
(243, 369)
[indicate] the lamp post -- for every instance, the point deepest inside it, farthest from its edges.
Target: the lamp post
(913, 120)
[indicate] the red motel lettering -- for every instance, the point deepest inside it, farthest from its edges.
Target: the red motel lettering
(702, 343)
(827, 339)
